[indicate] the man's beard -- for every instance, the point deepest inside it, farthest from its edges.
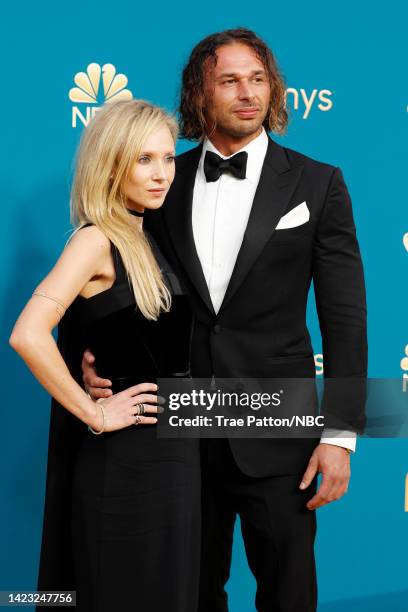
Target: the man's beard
(236, 128)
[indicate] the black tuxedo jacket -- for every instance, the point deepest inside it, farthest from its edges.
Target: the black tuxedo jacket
(260, 330)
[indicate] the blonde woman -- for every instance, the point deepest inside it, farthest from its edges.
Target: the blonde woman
(121, 523)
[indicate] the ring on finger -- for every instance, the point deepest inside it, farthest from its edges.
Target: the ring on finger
(140, 408)
(137, 419)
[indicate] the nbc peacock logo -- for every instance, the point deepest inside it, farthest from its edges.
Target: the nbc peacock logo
(90, 95)
(404, 368)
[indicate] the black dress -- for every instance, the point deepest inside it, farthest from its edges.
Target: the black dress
(122, 509)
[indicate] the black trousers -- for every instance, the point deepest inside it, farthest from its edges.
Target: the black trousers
(277, 528)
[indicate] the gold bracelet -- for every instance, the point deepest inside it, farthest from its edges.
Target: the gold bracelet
(96, 433)
(59, 304)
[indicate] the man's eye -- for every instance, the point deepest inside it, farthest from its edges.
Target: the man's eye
(229, 81)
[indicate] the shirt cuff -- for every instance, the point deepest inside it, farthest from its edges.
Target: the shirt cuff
(338, 437)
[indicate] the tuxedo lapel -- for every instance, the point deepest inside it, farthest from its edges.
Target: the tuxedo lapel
(177, 212)
(276, 185)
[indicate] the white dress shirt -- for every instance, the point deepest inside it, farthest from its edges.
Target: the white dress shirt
(220, 215)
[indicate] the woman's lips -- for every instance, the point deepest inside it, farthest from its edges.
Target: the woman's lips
(157, 191)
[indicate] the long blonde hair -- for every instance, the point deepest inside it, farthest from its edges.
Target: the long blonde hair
(107, 151)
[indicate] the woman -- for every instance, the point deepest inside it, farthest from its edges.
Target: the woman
(121, 524)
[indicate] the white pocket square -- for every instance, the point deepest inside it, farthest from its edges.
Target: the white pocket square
(297, 216)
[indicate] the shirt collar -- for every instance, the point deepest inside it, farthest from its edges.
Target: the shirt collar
(256, 150)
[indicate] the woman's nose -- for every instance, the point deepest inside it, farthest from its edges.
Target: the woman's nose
(159, 173)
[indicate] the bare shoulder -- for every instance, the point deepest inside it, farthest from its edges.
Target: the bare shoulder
(87, 251)
(90, 238)
(84, 263)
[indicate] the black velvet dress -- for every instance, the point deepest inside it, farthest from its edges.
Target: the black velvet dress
(122, 509)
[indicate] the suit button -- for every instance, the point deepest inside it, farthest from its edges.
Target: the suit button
(217, 329)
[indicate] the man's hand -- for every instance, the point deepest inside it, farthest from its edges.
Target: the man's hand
(95, 386)
(334, 464)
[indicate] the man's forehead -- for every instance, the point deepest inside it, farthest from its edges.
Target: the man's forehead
(235, 59)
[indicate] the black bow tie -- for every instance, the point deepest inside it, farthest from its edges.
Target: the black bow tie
(214, 165)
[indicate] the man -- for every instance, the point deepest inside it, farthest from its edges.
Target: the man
(247, 225)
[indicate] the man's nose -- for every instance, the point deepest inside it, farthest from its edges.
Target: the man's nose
(245, 91)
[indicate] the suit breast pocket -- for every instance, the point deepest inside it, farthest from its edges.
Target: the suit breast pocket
(292, 235)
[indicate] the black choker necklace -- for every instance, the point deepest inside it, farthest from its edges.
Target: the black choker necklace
(135, 213)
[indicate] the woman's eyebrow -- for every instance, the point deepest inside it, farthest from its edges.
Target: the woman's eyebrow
(170, 152)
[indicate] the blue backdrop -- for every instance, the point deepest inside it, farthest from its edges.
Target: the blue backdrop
(345, 68)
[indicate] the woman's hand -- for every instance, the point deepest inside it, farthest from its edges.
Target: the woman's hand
(95, 386)
(120, 409)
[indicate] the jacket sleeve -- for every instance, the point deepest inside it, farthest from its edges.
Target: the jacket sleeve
(341, 305)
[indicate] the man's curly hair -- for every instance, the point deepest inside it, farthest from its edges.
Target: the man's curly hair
(193, 125)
